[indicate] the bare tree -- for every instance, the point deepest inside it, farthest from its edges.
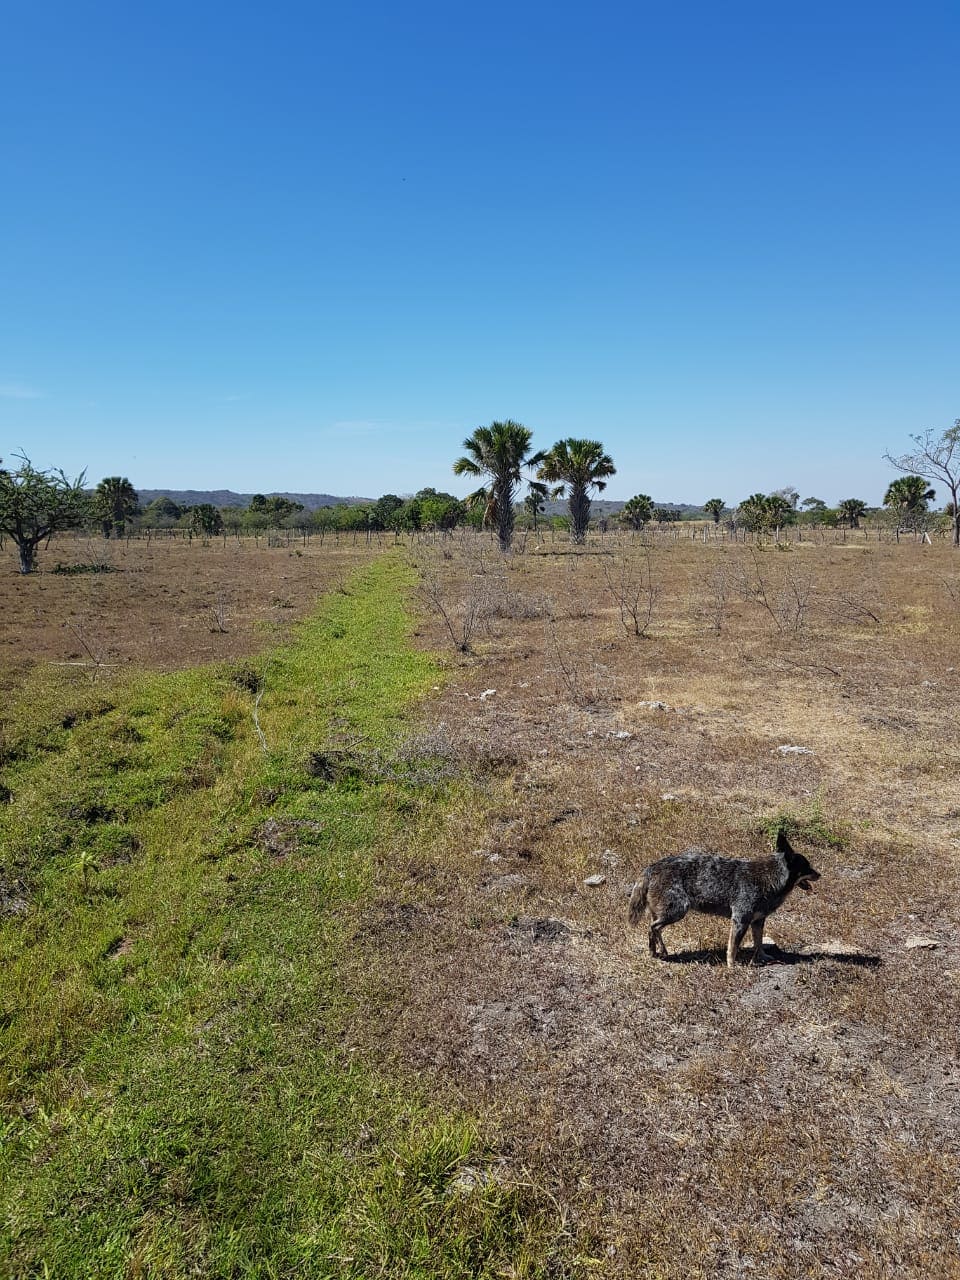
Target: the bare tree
(630, 582)
(787, 601)
(460, 617)
(936, 458)
(717, 588)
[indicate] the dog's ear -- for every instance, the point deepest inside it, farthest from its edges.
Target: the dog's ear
(783, 845)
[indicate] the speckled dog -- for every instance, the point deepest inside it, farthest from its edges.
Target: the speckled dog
(745, 891)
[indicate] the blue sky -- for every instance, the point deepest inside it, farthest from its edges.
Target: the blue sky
(312, 246)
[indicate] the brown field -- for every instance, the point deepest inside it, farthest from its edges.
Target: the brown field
(799, 1119)
(166, 603)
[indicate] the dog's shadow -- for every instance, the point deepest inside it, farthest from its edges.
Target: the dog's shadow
(775, 956)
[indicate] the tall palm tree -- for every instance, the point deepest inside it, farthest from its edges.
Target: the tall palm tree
(850, 510)
(910, 494)
(500, 454)
(115, 501)
(577, 467)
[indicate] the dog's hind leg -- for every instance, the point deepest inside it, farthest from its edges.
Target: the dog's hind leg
(759, 955)
(738, 929)
(657, 945)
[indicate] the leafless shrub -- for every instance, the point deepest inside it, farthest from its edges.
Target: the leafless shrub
(716, 586)
(94, 659)
(629, 580)
(518, 605)
(586, 683)
(951, 587)
(218, 615)
(855, 608)
(784, 594)
(462, 618)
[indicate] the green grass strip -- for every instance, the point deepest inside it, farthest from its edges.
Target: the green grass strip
(177, 1092)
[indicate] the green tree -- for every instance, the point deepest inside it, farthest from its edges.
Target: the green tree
(637, 512)
(762, 512)
(36, 504)
(714, 507)
(577, 467)
(161, 513)
(936, 458)
(850, 511)
(385, 509)
(500, 454)
(205, 519)
(114, 502)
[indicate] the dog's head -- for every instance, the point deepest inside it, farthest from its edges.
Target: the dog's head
(798, 868)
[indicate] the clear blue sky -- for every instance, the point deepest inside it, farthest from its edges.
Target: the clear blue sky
(311, 246)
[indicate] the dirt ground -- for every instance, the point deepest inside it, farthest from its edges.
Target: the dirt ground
(799, 1119)
(167, 603)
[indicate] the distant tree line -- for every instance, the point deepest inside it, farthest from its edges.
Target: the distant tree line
(35, 504)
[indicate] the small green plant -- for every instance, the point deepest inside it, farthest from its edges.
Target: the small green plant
(811, 827)
(87, 863)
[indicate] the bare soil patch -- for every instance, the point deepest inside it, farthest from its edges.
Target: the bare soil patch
(799, 1119)
(167, 603)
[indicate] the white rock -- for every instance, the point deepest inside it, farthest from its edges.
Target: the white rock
(668, 795)
(487, 693)
(916, 940)
(593, 881)
(788, 750)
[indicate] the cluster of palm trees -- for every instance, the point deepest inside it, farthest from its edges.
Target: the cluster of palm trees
(501, 455)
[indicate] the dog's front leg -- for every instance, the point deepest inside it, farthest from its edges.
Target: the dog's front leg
(759, 955)
(738, 929)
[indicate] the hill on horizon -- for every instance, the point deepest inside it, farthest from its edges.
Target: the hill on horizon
(227, 498)
(311, 501)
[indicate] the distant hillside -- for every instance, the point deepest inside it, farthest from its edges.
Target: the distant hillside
(227, 498)
(311, 501)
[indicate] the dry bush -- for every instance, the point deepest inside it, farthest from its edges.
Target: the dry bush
(716, 587)
(462, 607)
(784, 592)
(629, 580)
(584, 680)
(502, 602)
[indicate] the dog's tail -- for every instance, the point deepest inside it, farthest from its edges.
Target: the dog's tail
(638, 899)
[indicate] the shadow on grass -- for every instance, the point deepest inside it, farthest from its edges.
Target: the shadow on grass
(718, 956)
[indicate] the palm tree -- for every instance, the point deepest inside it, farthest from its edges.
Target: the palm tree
(850, 510)
(714, 507)
(638, 511)
(910, 494)
(501, 453)
(577, 466)
(533, 502)
(115, 502)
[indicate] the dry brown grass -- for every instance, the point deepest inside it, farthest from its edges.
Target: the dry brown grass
(166, 604)
(795, 1120)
